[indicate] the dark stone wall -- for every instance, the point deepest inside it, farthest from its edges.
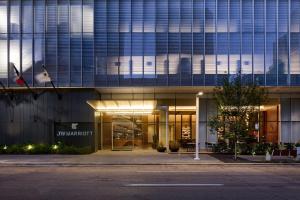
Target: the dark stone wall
(25, 120)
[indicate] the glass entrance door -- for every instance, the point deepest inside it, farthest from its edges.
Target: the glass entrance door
(122, 136)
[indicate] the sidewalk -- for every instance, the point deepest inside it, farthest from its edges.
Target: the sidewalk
(127, 158)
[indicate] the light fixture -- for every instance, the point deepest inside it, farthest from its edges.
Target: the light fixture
(134, 107)
(29, 147)
(200, 94)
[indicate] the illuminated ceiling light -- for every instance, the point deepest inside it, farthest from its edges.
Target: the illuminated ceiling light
(182, 108)
(200, 94)
(124, 106)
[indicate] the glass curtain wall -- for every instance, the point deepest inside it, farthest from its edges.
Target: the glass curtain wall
(85, 43)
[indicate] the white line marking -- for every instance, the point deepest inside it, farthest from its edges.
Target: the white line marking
(174, 185)
(170, 171)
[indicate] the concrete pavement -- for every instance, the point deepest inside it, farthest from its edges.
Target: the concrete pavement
(151, 182)
(141, 157)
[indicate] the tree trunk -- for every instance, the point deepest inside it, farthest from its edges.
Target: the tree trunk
(235, 150)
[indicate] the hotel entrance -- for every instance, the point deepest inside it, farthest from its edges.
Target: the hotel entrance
(126, 125)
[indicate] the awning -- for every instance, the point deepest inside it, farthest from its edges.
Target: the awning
(123, 106)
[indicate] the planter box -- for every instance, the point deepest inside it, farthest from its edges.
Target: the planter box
(298, 153)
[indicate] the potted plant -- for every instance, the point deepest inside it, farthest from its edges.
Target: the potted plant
(174, 146)
(269, 153)
(161, 148)
(297, 145)
(281, 148)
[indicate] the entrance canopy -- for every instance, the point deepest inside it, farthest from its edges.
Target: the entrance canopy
(138, 107)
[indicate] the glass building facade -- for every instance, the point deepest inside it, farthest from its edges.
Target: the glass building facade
(100, 43)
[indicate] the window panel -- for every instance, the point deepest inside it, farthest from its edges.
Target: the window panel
(234, 56)
(51, 55)
(271, 59)
(39, 54)
(51, 16)
(3, 56)
(149, 54)
(247, 53)
(198, 53)
(234, 25)
(222, 16)
(198, 13)
(63, 16)
(161, 53)
(27, 57)
(247, 15)
(27, 16)
(76, 16)
(63, 61)
(15, 11)
(185, 55)
(88, 59)
(100, 38)
(88, 16)
(258, 53)
(137, 55)
(295, 16)
(222, 50)
(113, 54)
(271, 16)
(162, 16)
(39, 16)
(210, 16)
(174, 16)
(259, 15)
(210, 57)
(283, 54)
(125, 53)
(3, 16)
(149, 16)
(186, 16)
(174, 47)
(76, 61)
(295, 53)
(137, 15)
(283, 16)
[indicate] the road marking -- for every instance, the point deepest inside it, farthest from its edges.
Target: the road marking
(174, 185)
(170, 171)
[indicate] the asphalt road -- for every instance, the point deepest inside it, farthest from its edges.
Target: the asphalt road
(151, 182)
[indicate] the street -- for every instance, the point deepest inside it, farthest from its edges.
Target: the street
(151, 182)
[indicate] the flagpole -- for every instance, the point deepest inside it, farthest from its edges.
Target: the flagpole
(5, 90)
(35, 96)
(59, 96)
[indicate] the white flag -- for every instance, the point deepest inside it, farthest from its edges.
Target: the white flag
(43, 77)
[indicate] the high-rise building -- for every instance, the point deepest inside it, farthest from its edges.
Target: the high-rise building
(129, 70)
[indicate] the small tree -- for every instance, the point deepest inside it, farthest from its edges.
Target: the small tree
(237, 105)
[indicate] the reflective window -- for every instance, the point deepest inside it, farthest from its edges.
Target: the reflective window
(39, 16)
(63, 16)
(210, 15)
(234, 24)
(3, 16)
(15, 10)
(27, 16)
(3, 55)
(51, 16)
(76, 16)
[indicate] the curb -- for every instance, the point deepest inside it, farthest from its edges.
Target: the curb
(24, 164)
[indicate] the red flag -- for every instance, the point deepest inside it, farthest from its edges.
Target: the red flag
(20, 81)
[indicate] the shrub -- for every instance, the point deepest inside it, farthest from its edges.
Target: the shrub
(174, 146)
(161, 148)
(44, 149)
